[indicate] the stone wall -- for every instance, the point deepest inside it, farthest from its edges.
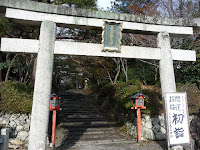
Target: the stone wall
(152, 128)
(19, 125)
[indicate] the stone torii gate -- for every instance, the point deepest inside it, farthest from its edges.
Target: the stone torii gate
(29, 12)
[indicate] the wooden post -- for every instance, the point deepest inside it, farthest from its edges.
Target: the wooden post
(54, 129)
(139, 125)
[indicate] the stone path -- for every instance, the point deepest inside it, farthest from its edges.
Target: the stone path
(82, 128)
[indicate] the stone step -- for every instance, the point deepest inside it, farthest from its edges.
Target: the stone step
(88, 122)
(75, 116)
(100, 142)
(73, 105)
(81, 120)
(88, 109)
(92, 137)
(88, 130)
(75, 99)
(74, 111)
(83, 126)
(86, 125)
(66, 114)
(80, 116)
(71, 112)
(91, 132)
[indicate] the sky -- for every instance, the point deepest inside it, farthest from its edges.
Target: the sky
(104, 3)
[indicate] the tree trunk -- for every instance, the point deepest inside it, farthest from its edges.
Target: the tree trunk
(117, 75)
(117, 61)
(156, 73)
(124, 67)
(109, 76)
(0, 70)
(199, 7)
(7, 73)
(171, 8)
(34, 71)
(29, 61)
(181, 8)
(10, 65)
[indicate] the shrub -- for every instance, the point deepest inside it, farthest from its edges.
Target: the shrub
(124, 90)
(193, 96)
(15, 97)
(153, 101)
(119, 96)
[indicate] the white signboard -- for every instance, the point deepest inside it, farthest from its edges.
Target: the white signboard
(177, 118)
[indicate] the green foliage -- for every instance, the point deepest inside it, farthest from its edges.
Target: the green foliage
(153, 101)
(8, 29)
(117, 97)
(140, 71)
(193, 96)
(124, 90)
(17, 66)
(117, 94)
(5, 25)
(16, 97)
(5, 65)
(188, 72)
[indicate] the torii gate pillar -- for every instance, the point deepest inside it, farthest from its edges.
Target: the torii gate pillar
(42, 89)
(167, 78)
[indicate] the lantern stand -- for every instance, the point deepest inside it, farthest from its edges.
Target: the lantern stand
(54, 106)
(138, 103)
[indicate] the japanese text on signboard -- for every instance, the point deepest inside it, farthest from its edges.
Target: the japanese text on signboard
(111, 36)
(177, 118)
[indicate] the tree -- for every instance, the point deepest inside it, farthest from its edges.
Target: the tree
(77, 65)
(185, 72)
(179, 8)
(16, 66)
(137, 7)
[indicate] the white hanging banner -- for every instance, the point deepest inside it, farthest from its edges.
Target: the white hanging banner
(177, 118)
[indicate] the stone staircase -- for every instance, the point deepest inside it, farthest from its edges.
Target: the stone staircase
(82, 126)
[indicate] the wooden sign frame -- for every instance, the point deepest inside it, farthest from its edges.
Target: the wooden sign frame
(112, 36)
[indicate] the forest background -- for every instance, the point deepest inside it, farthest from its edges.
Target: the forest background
(114, 80)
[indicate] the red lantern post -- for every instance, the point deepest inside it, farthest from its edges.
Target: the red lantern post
(54, 106)
(138, 103)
